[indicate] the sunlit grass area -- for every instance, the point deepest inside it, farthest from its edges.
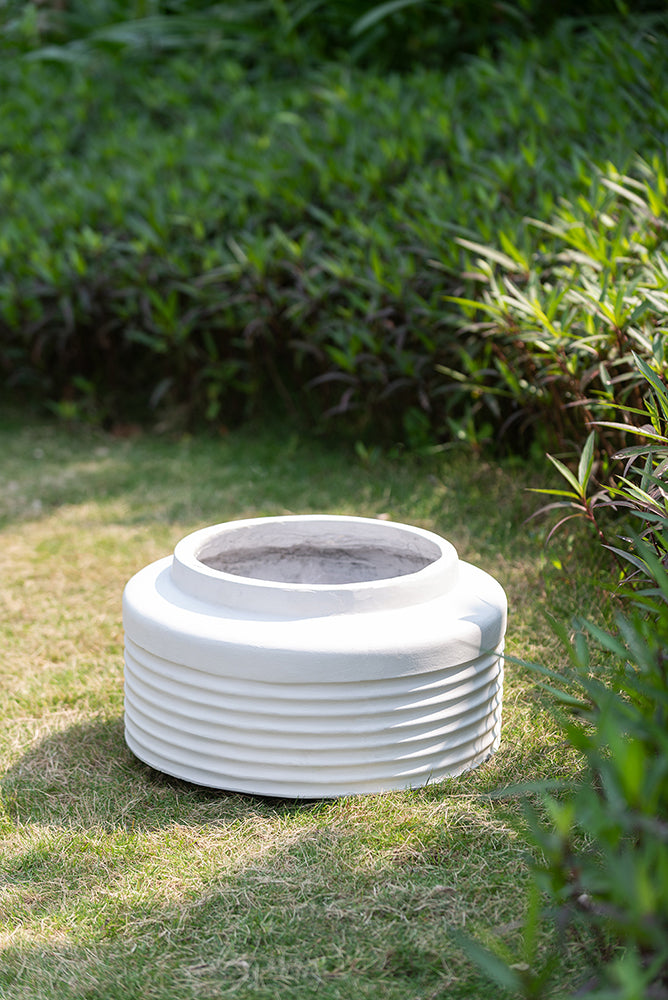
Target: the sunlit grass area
(120, 882)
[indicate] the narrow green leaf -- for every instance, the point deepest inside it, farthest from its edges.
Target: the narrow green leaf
(638, 431)
(625, 193)
(490, 964)
(656, 382)
(586, 462)
(474, 304)
(567, 474)
(489, 253)
(380, 12)
(629, 557)
(554, 493)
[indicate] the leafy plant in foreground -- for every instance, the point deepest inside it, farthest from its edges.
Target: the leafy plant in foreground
(600, 880)
(638, 498)
(603, 841)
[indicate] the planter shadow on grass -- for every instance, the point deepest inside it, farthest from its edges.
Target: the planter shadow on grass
(136, 883)
(85, 778)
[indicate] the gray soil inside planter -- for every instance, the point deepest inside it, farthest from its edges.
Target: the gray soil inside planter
(310, 564)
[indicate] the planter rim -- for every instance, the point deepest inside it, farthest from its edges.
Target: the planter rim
(429, 565)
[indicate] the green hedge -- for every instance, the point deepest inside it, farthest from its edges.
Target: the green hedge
(188, 235)
(391, 35)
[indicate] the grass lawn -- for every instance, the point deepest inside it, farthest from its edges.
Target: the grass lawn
(119, 882)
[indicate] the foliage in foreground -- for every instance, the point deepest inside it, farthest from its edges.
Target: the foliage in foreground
(604, 873)
(188, 236)
(604, 867)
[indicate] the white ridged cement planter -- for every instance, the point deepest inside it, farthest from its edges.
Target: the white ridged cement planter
(313, 656)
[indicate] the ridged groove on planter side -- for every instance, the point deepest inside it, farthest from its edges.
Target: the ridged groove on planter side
(311, 739)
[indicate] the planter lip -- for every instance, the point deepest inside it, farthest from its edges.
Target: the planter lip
(217, 640)
(429, 565)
